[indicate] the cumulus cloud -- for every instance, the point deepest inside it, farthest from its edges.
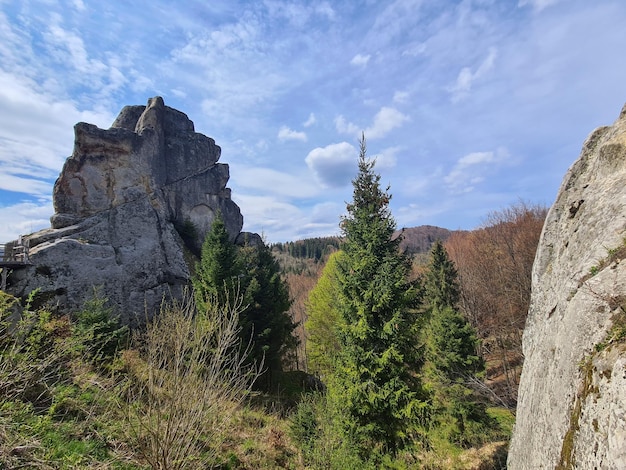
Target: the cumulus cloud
(473, 168)
(333, 165)
(360, 60)
(466, 77)
(284, 133)
(385, 121)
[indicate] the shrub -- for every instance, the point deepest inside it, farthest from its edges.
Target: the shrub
(186, 378)
(98, 332)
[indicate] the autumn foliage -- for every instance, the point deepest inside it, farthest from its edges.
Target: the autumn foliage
(494, 264)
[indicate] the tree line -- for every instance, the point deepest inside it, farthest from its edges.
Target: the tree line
(312, 248)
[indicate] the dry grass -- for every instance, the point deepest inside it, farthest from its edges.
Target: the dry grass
(185, 380)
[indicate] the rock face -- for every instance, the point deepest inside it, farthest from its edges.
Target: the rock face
(571, 411)
(122, 201)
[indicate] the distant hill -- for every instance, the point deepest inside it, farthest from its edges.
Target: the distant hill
(420, 239)
(415, 240)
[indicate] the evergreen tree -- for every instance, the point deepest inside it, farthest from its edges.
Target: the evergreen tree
(217, 273)
(265, 319)
(441, 281)
(226, 272)
(376, 377)
(452, 341)
(452, 358)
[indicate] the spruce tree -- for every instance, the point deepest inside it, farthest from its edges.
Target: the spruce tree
(452, 340)
(266, 319)
(453, 362)
(376, 379)
(216, 274)
(441, 281)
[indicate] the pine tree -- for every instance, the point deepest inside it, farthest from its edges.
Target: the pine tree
(217, 273)
(376, 377)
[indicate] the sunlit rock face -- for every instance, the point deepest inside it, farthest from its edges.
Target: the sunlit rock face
(572, 398)
(122, 201)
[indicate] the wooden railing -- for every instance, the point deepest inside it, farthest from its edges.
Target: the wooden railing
(13, 253)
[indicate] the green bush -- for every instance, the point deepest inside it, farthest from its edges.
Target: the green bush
(98, 332)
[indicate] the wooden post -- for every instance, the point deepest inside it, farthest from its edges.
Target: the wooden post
(4, 279)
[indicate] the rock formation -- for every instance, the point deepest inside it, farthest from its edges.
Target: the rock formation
(122, 201)
(571, 410)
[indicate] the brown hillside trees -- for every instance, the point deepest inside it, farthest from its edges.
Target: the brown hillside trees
(494, 265)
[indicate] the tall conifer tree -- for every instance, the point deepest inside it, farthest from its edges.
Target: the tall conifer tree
(453, 360)
(376, 377)
(266, 318)
(216, 273)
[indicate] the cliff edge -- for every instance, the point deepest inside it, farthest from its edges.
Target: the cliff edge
(571, 410)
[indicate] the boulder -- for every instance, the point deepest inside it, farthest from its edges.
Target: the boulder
(571, 410)
(123, 200)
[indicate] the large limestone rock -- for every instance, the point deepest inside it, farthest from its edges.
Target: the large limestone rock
(120, 203)
(572, 398)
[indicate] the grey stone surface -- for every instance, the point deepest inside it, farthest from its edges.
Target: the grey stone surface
(571, 410)
(118, 202)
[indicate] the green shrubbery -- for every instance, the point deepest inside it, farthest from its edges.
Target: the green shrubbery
(75, 396)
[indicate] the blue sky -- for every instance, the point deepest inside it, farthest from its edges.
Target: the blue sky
(469, 106)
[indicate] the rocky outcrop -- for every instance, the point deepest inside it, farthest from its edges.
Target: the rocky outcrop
(122, 202)
(571, 409)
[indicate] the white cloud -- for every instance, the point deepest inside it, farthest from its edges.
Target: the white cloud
(473, 168)
(387, 158)
(270, 181)
(345, 127)
(414, 50)
(360, 60)
(79, 5)
(268, 215)
(466, 77)
(310, 121)
(385, 120)
(284, 133)
(333, 165)
(24, 218)
(298, 14)
(14, 183)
